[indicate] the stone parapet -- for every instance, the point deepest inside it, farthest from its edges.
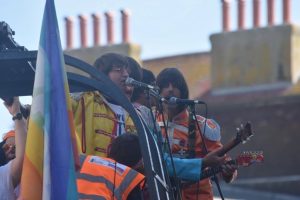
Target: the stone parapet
(256, 56)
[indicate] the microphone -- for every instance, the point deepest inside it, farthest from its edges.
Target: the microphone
(134, 83)
(156, 95)
(175, 100)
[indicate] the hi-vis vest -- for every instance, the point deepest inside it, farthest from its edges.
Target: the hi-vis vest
(178, 138)
(95, 123)
(103, 178)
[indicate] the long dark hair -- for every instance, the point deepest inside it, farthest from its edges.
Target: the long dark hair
(109, 60)
(173, 76)
(148, 78)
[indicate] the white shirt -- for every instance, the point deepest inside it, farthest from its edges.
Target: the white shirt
(6, 185)
(120, 114)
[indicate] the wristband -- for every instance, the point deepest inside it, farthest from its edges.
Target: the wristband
(18, 116)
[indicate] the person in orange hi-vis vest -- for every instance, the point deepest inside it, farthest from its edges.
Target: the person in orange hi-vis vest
(116, 177)
(180, 124)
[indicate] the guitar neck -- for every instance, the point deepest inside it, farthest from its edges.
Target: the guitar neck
(243, 134)
(210, 172)
(233, 143)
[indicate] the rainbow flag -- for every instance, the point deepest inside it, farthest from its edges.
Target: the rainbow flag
(48, 168)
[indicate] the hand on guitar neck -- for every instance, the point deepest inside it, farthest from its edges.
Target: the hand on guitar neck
(217, 158)
(244, 133)
(245, 159)
(213, 160)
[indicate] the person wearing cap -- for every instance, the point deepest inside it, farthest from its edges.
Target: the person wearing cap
(99, 119)
(7, 147)
(10, 173)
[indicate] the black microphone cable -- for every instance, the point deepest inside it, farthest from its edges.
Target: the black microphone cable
(160, 110)
(204, 147)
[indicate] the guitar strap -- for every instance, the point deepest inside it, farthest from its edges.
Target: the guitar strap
(191, 135)
(204, 148)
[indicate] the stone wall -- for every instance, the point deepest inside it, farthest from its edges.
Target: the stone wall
(255, 57)
(276, 127)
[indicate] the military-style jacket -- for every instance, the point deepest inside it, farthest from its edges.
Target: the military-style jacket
(178, 136)
(96, 123)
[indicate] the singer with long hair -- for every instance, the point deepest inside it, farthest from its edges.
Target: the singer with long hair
(99, 119)
(183, 135)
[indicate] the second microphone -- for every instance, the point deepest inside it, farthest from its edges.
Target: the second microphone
(134, 83)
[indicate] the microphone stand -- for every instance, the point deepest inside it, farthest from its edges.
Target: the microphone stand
(160, 111)
(204, 148)
(156, 132)
(158, 135)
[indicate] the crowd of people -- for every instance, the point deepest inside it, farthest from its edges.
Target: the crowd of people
(108, 142)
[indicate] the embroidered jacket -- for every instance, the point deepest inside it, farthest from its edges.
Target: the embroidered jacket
(178, 137)
(96, 123)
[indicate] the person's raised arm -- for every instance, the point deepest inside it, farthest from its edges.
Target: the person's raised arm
(20, 140)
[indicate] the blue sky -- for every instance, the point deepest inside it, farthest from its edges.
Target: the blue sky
(161, 27)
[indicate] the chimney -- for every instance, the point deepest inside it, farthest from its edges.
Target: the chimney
(241, 14)
(96, 30)
(226, 8)
(125, 25)
(286, 11)
(110, 27)
(270, 12)
(69, 32)
(256, 13)
(83, 30)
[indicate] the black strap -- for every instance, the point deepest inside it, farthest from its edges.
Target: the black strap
(191, 135)
(204, 149)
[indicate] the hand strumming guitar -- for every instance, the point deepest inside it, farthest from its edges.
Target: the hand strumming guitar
(229, 171)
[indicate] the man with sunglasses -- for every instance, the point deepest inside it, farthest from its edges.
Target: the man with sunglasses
(10, 173)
